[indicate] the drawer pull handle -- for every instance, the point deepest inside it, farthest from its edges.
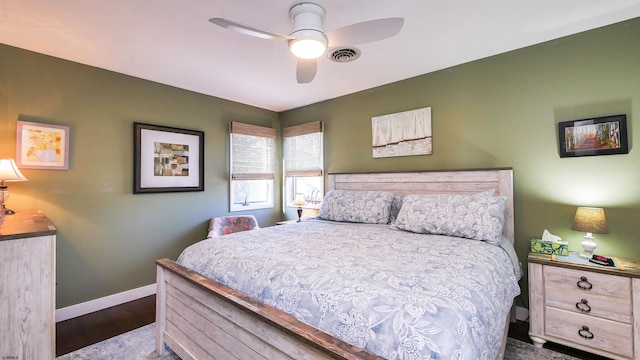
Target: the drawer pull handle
(584, 284)
(585, 333)
(583, 306)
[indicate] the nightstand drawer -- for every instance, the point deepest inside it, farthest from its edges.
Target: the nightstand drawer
(594, 283)
(607, 335)
(586, 303)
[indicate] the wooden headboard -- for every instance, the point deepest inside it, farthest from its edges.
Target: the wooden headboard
(434, 182)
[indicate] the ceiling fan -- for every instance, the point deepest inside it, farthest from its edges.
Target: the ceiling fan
(307, 41)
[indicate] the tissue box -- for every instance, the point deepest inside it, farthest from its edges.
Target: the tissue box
(550, 247)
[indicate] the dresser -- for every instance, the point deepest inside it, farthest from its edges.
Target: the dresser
(585, 306)
(27, 286)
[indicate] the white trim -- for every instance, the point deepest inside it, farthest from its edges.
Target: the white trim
(88, 307)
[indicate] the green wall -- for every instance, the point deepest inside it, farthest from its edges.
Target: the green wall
(503, 111)
(496, 112)
(108, 238)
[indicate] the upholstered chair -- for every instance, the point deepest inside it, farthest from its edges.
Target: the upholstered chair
(223, 225)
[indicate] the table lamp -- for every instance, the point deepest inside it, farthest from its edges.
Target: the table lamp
(590, 220)
(299, 201)
(8, 172)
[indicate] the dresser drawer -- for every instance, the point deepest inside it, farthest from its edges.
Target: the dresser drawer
(584, 302)
(611, 336)
(595, 283)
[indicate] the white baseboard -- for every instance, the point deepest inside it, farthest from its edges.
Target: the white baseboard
(88, 307)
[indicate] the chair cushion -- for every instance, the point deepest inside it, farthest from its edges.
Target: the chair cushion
(223, 225)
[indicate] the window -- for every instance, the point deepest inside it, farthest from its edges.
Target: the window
(253, 155)
(303, 163)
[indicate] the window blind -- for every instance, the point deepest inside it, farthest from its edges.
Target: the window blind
(302, 147)
(253, 150)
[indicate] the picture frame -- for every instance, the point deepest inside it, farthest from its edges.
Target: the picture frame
(167, 159)
(42, 146)
(606, 135)
(406, 133)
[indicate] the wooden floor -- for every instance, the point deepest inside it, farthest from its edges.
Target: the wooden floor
(76, 333)
(89, 329)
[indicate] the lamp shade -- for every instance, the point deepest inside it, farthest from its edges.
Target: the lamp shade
(590, 220)
(299, 200)
(9, 171)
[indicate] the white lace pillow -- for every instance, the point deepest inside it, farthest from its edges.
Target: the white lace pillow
(371, 207)
(478, 217)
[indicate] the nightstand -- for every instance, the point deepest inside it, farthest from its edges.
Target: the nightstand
(589, 307)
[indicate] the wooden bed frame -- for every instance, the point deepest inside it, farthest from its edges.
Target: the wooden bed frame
(200, 318)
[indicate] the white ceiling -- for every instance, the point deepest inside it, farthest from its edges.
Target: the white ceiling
(171, 41)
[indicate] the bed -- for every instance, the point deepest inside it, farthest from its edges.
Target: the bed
(376, 290)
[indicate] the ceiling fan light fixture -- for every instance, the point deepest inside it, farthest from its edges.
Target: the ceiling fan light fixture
(308, 41)
(308, 44)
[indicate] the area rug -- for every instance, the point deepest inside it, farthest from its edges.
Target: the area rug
(139, 344)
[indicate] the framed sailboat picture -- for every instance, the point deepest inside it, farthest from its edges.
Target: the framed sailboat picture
(406, 133)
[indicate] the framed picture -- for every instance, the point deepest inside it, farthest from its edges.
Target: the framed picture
(605, 135)
(405, 133)
(167, 159)
(42, 146)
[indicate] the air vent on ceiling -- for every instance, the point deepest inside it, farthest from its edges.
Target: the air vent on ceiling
(344, 54)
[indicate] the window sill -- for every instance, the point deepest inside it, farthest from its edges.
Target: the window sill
(235, 207)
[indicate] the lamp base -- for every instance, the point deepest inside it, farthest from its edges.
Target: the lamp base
(588, 245)
(299, 214)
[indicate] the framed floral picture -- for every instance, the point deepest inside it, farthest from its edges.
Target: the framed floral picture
(42, 146)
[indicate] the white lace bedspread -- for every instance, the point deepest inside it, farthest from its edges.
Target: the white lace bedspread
(397, 294)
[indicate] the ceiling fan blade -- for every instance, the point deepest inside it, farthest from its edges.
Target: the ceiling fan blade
(248, 30)
(306, 70)
(364, 32)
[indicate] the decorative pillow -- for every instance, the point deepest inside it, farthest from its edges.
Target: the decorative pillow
(396, 205)
(371, 207)
(477, 217)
